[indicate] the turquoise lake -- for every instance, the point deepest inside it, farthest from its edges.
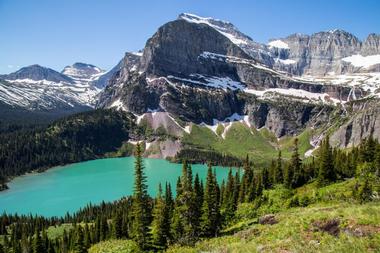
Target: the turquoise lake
(68, 188)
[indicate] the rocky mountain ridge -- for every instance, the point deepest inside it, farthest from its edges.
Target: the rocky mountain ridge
(203, 71)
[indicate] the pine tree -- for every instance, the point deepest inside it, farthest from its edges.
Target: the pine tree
(210, 219)
(198, 191)
(103, 228)
(278, 176)
(377, 161)
(168, 212)
(158, 225)
(265, 178)
(140, 208)
(117, 224)
(79, 246)
(296, 167)
(185, 209)
(38, 245)
(368, 148)
(365, 192)
(246, 181)
(87, 236)
(326, 163)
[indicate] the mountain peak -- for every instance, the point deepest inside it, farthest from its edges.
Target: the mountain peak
(82, 71)
(37, 73)
(198, 19)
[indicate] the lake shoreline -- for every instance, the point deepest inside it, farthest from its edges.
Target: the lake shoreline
(71, 187)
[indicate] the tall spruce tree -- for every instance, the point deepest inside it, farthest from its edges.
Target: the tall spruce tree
(79, 246)
(278, 175)
(38, 244)
(210, 220)
(117, 224)
(185, 209)
(140, 206)
(159, 237)
(296, 167)
(326, 163)
(377, 161)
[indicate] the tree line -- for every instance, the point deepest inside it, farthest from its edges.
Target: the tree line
(76, 138)
(198, 209)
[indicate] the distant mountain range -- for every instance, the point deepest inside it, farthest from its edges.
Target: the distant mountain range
(204, 71)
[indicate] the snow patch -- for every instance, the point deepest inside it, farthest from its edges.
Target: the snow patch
(238, 40)
(286, 61)
(212, 81)
(363, 61)
(278, 44)
(147, 145)
(306, 95)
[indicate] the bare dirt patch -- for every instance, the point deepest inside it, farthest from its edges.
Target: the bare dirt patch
(330, 226)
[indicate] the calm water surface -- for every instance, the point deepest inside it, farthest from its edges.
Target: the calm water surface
(68, 188)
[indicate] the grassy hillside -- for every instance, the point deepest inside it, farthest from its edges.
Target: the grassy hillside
(261, 145)
(330, 221)
(319, 228)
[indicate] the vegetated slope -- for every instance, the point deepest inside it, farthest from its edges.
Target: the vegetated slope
(240, 140)
(80, 137)
(321, 220)
(295, 205)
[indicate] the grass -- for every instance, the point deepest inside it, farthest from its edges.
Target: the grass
(54, 232)
(115, 246)
(261, 145)
(297, 228)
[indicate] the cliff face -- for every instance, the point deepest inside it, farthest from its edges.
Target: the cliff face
(201, 70)
(362, 122)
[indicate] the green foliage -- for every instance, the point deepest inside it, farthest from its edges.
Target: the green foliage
(115, 246)
(140, 208)
(210, 219)
(79, 137)
(326, 163)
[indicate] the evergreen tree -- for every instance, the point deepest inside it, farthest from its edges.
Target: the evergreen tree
(38, 244)
(198, 191)
(117, 223)
(140, 208)
(159, 235)
(377, 161)
(368, 149)
(326, 163)
(265, 178)
(103, 228)
(365, 192)
(210, 219)
(295, 167)
(278, 175)
(79, 246)
(185, 210)
(246, 181)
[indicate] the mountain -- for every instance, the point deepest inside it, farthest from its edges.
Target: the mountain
(332, 52)
(38, 73)
(102, 81)
(37, 90)
(204, 72)
(83, 72)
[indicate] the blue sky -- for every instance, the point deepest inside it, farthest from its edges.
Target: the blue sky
(58, 33)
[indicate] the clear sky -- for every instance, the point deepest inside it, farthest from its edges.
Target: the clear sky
(57, 33)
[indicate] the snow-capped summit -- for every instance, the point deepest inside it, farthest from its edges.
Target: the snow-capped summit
(83, 72)
(256, 50)
(224, 27)
(38, 73)
(39, 88)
